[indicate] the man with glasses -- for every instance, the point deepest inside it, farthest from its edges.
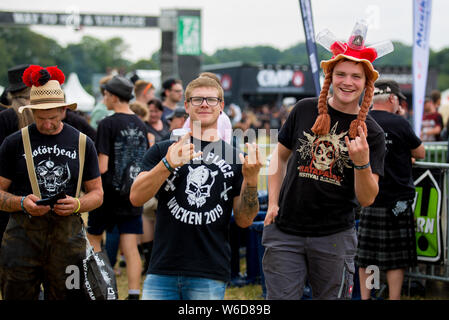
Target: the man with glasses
(198, 180)
(171, 95)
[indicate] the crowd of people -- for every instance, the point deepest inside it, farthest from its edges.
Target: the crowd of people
(165, 203)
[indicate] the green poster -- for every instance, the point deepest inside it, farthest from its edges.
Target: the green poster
(189, 36)
(427, 217)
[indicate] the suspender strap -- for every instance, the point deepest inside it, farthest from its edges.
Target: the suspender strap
(82, 154)
(30, 163)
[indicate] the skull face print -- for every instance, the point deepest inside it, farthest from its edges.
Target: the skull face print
(199, 183)
(323, 155)
(51, 177)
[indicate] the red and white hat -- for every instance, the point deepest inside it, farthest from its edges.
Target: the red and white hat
(354, 49)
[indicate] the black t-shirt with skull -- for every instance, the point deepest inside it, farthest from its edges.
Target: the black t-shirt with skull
(194, 210)
(124, 139)
(317, 195)
(56, 162)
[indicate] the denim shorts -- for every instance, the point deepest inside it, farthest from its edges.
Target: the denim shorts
(167, 287)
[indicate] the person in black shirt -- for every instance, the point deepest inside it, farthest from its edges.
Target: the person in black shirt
(40, 241)
(198, 182)
(386, 232)
(11, 120)
(122, 141)
(327, 162)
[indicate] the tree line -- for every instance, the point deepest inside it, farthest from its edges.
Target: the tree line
(92, 55)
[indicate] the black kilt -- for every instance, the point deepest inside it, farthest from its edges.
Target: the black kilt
(386, 240)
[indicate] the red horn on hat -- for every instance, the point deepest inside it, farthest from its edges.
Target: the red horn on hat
(56, 74)
(30, 74)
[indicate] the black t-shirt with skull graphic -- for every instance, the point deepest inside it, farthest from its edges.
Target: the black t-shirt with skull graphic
(123, 138)
(317, 196)
(56, 162)
(194, 210)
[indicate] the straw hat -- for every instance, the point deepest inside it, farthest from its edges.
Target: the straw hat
(46, 92)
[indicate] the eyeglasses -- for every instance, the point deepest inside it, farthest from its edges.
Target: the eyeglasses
(198, 101)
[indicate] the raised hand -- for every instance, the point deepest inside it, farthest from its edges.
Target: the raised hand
(181, 152)
(251, 164)
(358, 148)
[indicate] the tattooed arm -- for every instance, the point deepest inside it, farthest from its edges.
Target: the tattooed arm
(8, 201)
(246, 206)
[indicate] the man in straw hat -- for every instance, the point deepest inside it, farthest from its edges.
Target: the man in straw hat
(40, 241)
(328, 161)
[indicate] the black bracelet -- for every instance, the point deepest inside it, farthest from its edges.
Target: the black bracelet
(362, 167)
(167, 165)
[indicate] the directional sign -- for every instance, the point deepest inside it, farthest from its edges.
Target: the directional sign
(189, 35)
(427, 207)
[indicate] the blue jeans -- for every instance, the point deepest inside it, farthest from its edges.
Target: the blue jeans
(162, 287)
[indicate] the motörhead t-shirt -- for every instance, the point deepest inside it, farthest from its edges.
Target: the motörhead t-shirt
(56, 162)
(194, 209)
(317, 196)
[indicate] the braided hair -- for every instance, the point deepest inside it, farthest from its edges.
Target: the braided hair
(323, 121)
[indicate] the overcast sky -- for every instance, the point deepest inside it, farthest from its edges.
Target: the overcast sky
(235, 23)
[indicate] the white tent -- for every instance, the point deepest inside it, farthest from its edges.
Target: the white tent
(445, 97)
(75, 93)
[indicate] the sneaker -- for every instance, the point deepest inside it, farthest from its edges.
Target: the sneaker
(132, 297)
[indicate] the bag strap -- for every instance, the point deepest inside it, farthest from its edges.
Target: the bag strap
(29, 162)
(82, 155)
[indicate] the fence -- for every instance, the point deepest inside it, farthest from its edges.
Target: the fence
(439, 268)
(436, 152)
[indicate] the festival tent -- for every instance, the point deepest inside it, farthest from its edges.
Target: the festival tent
(445, 97)
(75, 93)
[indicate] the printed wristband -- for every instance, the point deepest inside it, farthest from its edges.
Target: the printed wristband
(21, 204)
(79, 205)
(362, 167)
(167, 165)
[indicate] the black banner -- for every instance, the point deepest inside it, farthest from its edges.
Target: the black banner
(77, 19)
(307, 20)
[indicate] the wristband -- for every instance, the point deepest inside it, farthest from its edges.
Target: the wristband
(167, 165)
(21, 204)
(362, 167)
(79, 205)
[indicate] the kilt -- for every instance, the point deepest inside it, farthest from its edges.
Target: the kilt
(386, 240)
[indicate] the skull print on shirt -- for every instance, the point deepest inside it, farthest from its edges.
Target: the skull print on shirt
(326, 156)
(199, 182)
(51, 177)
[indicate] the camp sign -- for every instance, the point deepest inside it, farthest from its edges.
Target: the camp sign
(427, 209)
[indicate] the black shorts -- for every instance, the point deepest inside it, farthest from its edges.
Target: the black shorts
(103, 219)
